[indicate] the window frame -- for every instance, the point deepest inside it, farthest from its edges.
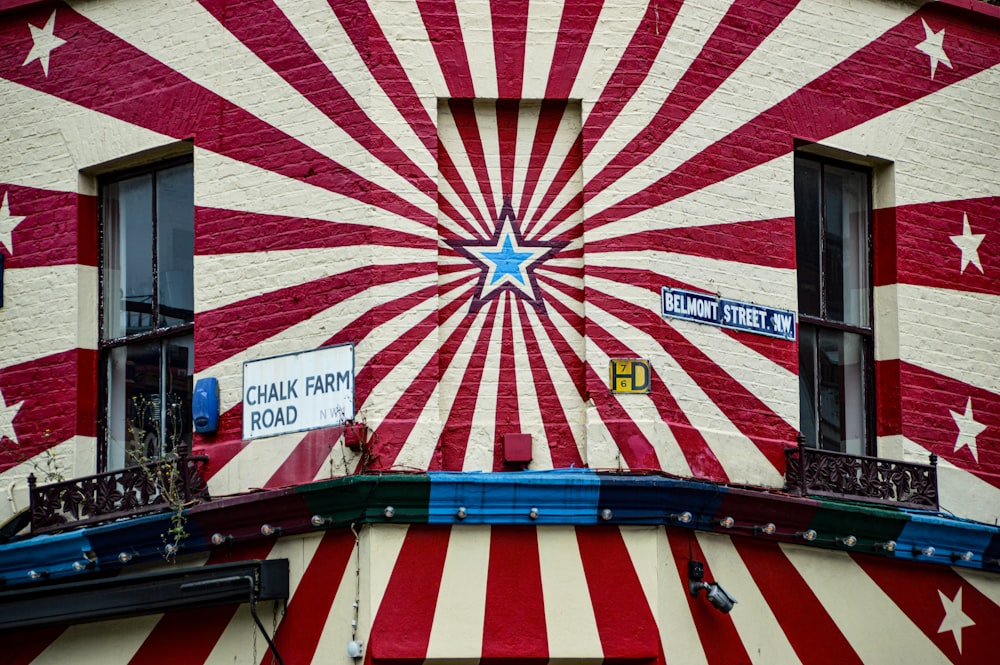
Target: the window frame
(158, 333)
(816, 324)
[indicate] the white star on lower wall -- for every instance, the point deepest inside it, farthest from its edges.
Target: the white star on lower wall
(8, 223)
(7, 415)
(933, 47)
(968, 430)
(44, 41)
(954, 618)
(969, 243)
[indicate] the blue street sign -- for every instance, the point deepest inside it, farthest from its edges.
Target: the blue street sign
(725, 313)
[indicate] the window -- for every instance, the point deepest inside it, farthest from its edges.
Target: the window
(833, 250)
(147, 317)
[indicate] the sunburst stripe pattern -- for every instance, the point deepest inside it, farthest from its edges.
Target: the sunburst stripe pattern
(738, 150)
(769, 432)
(296, 61)
(492, 152)
(120, 62)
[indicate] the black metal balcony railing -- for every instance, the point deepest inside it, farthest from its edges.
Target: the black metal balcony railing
(103, 497)
(811, 471)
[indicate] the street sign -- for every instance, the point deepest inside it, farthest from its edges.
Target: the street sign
(630, 375)
(298, 392)
(725, 313)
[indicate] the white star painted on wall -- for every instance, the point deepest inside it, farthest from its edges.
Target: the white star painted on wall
(44, 42)
(8, 223)
(968, 430)
(7, 415)
(933, 47)
(969, 243)
(954, 618)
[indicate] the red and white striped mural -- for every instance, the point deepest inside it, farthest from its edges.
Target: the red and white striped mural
(337, 198)
(552, 594)
(486, 199)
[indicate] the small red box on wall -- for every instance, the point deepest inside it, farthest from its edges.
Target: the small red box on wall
(355, 435)
(516, 448)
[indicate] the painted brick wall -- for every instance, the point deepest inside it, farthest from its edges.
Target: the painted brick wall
(324, 193)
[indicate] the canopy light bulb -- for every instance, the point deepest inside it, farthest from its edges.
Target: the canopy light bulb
(607, 514)
(533, 513)
(683, 518)
(887, 546)
(125, 557)
(220, 539)
(461, 513)
(961, 556)
(727, 522)
(269, 530)
(924, 551)
(38, 574)
(170, 549)
(320, 521)
(809, 534)
(389, 512)
(768, 529)
(80, 566)
(847, 541)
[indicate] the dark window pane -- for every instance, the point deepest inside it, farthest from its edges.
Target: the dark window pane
(807, 383)
(807, 235)
(845, 204)
(841, 392)
(128, 257)
(178, 356)
(175, 245)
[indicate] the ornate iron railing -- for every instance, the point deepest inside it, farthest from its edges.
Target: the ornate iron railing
(103, 497)
(811, 471)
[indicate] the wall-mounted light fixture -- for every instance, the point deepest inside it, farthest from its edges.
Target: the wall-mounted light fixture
(719, 597)
(355, 649)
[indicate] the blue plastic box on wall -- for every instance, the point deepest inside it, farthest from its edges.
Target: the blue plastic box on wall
(205, 405)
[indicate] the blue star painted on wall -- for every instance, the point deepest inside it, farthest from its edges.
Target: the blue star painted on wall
(507, 261)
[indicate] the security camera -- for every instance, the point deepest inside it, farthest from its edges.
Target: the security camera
(719, 597)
